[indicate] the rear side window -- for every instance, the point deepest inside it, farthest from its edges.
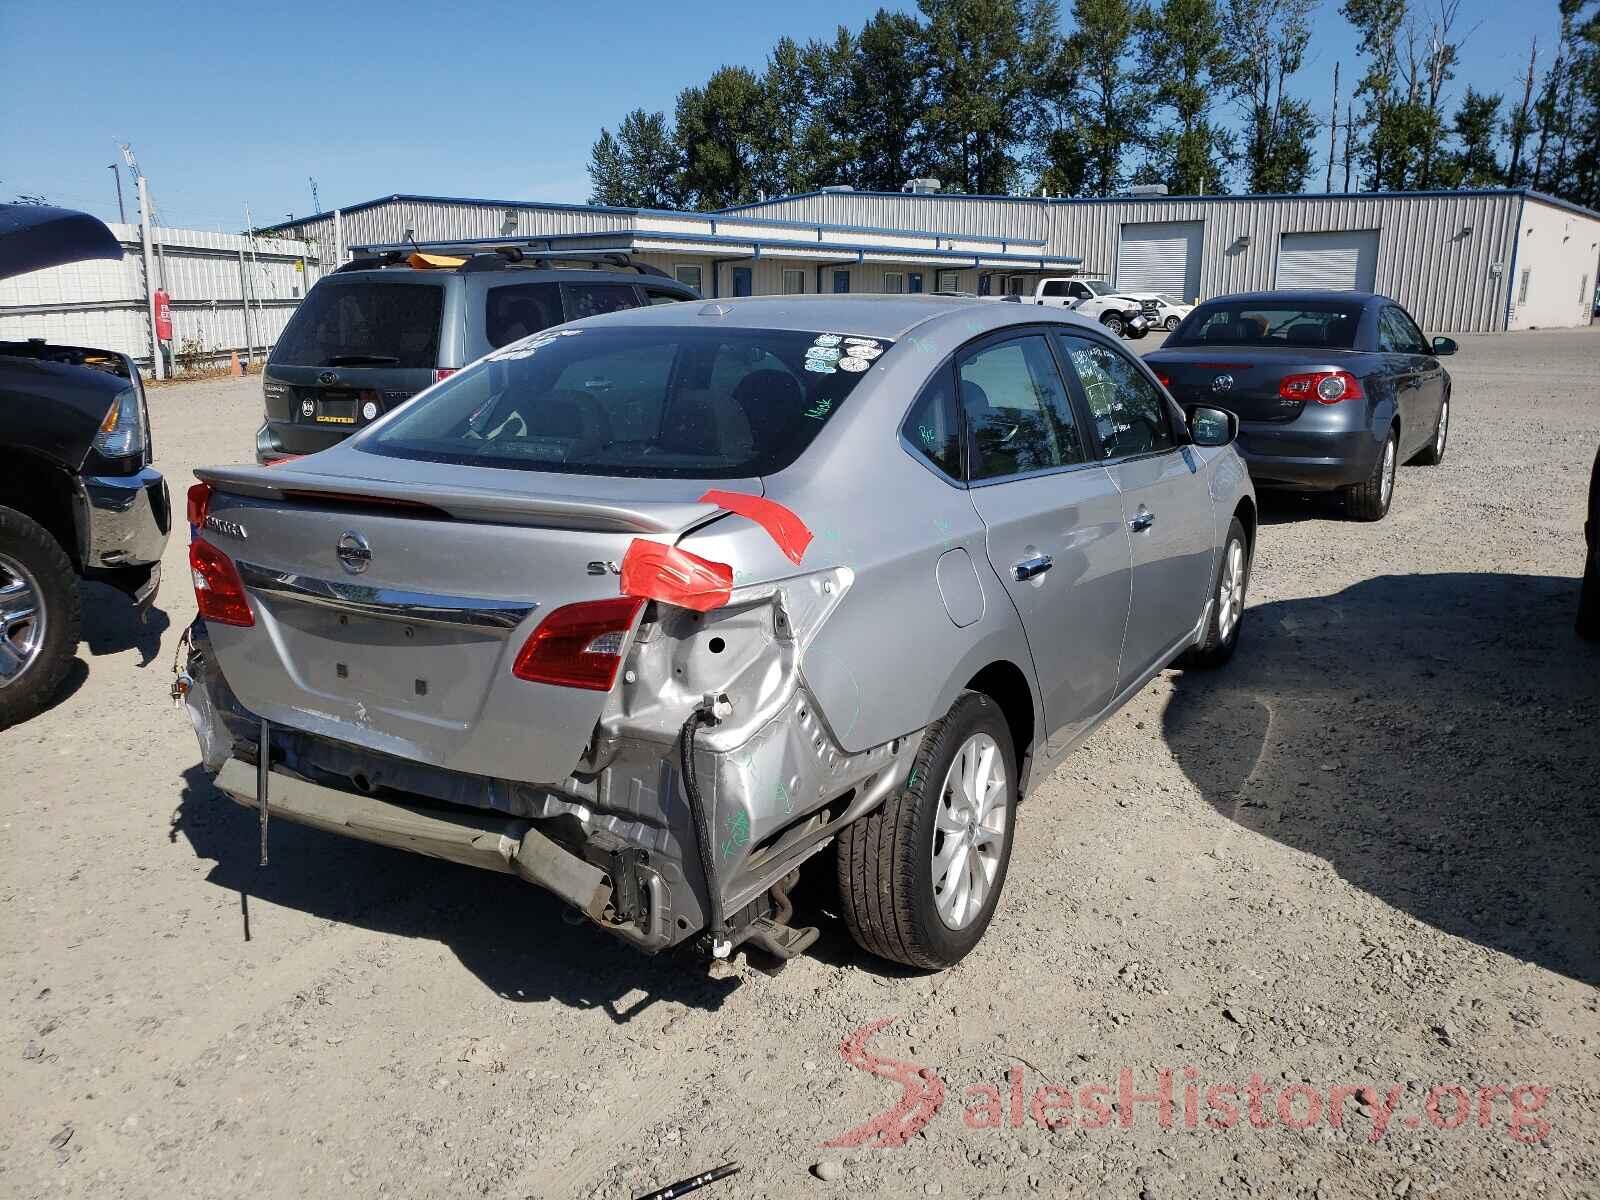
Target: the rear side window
(364, 323)
(1399, 334)
(1016, 409)
(636, 401)
(1328, 324)
(518, 309)
(1128, 412)
(933, 427)
(592, 299)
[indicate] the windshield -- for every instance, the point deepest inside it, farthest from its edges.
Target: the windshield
(654, 402)
(1330, 324)
(364, 323)
(1097, 287)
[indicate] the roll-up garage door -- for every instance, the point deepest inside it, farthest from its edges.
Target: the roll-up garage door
(1342, 261)
(1160, 256)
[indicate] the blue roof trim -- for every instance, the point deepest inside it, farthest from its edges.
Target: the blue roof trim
(1529, 193)
(610, 210)
(711, 241)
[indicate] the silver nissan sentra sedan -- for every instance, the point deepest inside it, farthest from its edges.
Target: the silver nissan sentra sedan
(651, 608)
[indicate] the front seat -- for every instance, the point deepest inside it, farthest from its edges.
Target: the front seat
(774, 404)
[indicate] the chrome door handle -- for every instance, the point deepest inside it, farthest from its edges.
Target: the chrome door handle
(1141, 521)
(1030, 568)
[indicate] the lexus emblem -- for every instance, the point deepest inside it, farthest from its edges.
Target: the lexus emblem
(1222, 383)
(353, 552)
(328, 377)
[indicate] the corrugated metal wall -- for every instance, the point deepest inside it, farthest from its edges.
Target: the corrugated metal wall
(1451, 280)
(102, 303)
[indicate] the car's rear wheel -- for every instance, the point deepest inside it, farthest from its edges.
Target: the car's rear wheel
(1113, 322)
(1216, 646)
(1171, 323)
(40, 613)
(1433, 455)
(920, 876)
(1369, 500)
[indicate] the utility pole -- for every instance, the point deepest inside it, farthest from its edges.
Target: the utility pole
(1520, 126)
(149, 291)
(116, 174)
(1349, 125)
(1333, 128)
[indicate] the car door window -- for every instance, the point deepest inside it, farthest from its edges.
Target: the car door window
(1408, 333)
(933, 427)
(592, 299)
(518, 309)
(1128, 411)
(656, 296)
(1393, 337)
(1016, 408)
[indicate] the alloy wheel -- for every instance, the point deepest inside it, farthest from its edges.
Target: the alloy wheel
(1230, 591)
(22, 620)
(969, 831)
(1386, 484)
(1442, 431)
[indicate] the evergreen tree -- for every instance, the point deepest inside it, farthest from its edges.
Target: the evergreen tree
(1182, 48)
(1477, 132)
(638, 167)
(887, 106)
(717, 132)
(1267, 40)
(607, 180)
(1112, 97)
(1378, 22)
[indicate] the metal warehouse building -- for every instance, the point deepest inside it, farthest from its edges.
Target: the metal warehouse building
(1461, 261)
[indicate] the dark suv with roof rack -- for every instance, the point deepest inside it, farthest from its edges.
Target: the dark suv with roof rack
(381, 328)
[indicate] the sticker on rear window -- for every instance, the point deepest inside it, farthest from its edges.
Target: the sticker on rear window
(827, 339)
(853, 364)
(825, 353)
(820, 367)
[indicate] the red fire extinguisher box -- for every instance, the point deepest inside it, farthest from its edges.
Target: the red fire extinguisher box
(163, 316)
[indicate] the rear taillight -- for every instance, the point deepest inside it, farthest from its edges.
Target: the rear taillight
(443, 373)
(579, 645)
(218, 590)
(199, 504)
(1324, 387)
(1166, 380)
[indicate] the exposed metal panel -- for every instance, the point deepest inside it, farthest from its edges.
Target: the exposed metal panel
(1342, 260)
(1160, 256)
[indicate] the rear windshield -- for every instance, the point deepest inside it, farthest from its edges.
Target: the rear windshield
(364, 323)
(1328, 323)
(661, 403)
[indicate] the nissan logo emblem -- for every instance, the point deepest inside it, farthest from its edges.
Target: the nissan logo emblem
(353, 552)
(1222, 383)
(328, 377)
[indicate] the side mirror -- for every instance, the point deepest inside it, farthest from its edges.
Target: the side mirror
(1444, 345)
(1211, 426)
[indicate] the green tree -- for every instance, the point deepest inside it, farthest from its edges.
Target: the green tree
(1476, 128)
(1267, 42)
(717, 130)
(1182, 48)
(608, 183)
(1580, 178)
(1113, 99)
(981, 66)
(638, 167)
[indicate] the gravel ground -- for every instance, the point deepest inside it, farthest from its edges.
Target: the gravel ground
(1363, 854)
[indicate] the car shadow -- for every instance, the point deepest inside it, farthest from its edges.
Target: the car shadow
(111, 624)
(1279, 506)
(520, 941)
(1433, 738)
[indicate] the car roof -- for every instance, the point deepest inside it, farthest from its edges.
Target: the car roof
(1321, 295)
(508, 274)
(886, 316)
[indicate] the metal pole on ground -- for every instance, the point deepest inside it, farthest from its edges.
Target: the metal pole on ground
(149, 281)
(244, 312)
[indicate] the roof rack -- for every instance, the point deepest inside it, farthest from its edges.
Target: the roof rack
(485, 256)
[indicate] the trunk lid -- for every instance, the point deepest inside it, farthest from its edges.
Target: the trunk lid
(412, 655)
(336, 398)
(1194, 376)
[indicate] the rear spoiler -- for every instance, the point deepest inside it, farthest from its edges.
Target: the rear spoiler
(289, 483)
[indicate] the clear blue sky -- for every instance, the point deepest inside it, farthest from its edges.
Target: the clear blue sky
(227, 104)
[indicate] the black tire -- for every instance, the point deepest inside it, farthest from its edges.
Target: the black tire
(1433, 454)
(1169, 324)
(885, 860)
(27, 545)
(1370, 500)
(1113, 322)
(1217, 645)
(1589, 593)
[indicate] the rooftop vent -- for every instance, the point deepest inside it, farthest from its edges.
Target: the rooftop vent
(921, 187)
(1148, 189)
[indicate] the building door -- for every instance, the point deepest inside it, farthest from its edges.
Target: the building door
(913, 284)
(1162, 257)
(741, 281)
(1340, 261)
(841, 281)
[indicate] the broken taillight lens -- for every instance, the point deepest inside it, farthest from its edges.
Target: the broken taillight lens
(579, 645)
(218, 590)
(199, 503)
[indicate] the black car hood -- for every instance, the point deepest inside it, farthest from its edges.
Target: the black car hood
(35, 236)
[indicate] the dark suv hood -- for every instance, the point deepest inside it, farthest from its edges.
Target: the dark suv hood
(35, 236)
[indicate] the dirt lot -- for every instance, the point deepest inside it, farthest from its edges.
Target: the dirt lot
(1365, 853)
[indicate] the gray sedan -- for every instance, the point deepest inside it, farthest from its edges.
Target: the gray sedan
(651, 608)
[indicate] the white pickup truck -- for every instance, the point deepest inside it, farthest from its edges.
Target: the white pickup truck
(1122, 315)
